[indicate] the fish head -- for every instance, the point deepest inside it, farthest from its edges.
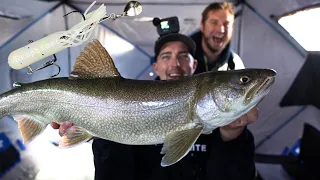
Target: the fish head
(236, 92)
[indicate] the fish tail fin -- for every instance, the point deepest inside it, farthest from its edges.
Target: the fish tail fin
(29, 128)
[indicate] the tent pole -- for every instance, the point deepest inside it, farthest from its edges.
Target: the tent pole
(29, 25)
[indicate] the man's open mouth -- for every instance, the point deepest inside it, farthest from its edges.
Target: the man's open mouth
(175, 75)
(218, 39)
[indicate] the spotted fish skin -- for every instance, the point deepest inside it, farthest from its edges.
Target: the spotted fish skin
(125, 111)
(100, 103)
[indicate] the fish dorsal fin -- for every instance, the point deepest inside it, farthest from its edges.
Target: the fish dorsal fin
(94, 62)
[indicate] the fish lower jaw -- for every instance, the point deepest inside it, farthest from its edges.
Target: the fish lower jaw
(260, 92)
(264, 88)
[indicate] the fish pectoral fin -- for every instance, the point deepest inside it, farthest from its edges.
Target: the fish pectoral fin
(73, 136)
(178, 144)
(28, 127)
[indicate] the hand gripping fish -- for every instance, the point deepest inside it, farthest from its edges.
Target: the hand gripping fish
(100, 103)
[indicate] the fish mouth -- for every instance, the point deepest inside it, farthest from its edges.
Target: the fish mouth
(262, 90)
(265, 86)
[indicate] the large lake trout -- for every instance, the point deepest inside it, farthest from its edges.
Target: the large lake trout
(100, 103)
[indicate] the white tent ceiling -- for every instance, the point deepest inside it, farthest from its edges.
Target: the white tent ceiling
(259, 40)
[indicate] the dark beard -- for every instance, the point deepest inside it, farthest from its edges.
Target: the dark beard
(206, 41)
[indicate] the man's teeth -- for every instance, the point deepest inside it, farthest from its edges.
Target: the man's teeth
(218, 37)
(173, 75)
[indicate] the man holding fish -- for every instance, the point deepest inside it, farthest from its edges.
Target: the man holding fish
(225, 153)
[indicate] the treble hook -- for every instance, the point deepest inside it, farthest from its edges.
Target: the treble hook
(49, 63)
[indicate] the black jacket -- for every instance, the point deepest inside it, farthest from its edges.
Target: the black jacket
(210, 158)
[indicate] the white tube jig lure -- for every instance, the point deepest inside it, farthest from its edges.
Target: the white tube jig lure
(58, 41)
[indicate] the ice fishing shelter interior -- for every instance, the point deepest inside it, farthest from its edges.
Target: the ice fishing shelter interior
(279, 34)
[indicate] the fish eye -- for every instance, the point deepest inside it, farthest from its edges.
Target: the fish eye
(244, 79)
